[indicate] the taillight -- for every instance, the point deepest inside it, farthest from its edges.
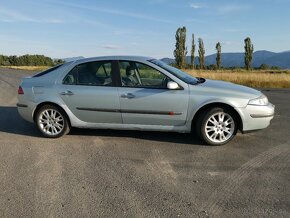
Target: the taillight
(20, 91)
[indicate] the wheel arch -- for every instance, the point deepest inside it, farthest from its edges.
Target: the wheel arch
(53, 104)
(218, 104)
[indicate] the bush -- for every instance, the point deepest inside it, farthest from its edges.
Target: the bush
(275, 68)
(264, 67)
(212, 67)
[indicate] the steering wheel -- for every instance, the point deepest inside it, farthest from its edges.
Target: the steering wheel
(123, 82)
(164, 81)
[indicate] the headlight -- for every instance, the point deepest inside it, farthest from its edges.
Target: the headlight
(262, 100)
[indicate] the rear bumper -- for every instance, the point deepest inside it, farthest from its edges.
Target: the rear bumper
(26, 111)
(256, 117)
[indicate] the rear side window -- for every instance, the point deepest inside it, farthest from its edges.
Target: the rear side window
(97, 73)
(47, 71)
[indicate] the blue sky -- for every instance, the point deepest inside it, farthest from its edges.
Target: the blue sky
(62, 28)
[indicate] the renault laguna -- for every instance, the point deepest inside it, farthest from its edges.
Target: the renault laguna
(139, 93)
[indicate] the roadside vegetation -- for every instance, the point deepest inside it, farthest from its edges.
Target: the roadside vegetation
(28, 60)
(263, 77)
(252, 78)
(30, 68)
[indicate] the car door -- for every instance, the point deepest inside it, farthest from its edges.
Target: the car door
(90, 92)
(145, 99)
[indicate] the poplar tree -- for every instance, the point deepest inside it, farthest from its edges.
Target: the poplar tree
(218, 55)
(201, 53)
(249, 49)
(180, 47)
(192, 53)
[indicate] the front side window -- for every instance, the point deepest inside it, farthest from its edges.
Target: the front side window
(97, 73)
(134, 74)
(176, 72)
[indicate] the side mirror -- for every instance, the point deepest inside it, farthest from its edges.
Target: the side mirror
(172, 85)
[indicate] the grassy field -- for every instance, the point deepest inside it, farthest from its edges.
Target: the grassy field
(253, 78)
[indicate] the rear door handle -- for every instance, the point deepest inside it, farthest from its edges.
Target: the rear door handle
(69, 93)
(128, 95)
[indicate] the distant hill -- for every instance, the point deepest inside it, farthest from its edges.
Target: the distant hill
(72, 58)
(281, 59)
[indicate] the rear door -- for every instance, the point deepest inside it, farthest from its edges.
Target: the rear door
(145, 99)
(90, 92)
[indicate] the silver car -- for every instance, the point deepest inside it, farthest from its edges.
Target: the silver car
(139, 93)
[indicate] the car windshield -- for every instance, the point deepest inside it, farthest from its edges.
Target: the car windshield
(176, 72)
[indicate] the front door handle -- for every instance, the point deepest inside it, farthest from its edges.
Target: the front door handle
(68, 93)
(128, 95)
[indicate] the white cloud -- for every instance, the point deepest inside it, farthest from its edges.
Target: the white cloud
(8, 15)
(117, 12)
(56, 21)
(111, 46)
(195, 5)
(15, 15)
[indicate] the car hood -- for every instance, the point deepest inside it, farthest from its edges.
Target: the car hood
(228, 88)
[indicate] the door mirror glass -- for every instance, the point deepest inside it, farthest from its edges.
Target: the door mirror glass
(172, 85)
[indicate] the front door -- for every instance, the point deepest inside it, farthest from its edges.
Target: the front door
(145, 99)
(90, 93)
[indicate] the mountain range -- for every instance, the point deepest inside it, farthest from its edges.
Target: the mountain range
(281, 59)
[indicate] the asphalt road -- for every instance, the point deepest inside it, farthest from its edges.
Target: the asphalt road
(102, 173)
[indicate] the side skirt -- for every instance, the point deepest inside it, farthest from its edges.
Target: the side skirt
(181, 129)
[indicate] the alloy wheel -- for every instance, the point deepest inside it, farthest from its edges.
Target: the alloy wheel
(219, 127)
(51, 122)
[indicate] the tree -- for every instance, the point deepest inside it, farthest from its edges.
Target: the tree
(218, 55)
(58, 61)
(26, 60)
(192, 53)
(201, 53)
(264, 67)
(249, 49)
(180, 47)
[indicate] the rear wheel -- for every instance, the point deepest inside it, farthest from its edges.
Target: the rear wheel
(217, 126)
(52, 122)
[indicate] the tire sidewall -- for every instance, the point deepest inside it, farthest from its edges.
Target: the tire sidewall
(65, 129)
(205, 118)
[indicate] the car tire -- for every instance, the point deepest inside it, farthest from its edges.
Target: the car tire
(52, 121)
(216, 126)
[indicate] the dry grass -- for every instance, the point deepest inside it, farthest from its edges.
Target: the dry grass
(32, 68)
(254, 78)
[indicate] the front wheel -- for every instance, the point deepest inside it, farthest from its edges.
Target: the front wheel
(217, 126)
(52, 122)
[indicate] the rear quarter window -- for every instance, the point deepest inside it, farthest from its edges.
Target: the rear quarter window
(47, 71)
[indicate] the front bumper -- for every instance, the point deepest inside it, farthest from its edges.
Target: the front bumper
(256, 117)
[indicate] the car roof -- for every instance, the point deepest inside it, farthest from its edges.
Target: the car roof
(128, 58)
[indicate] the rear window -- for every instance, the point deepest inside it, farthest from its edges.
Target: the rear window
(47, 71)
